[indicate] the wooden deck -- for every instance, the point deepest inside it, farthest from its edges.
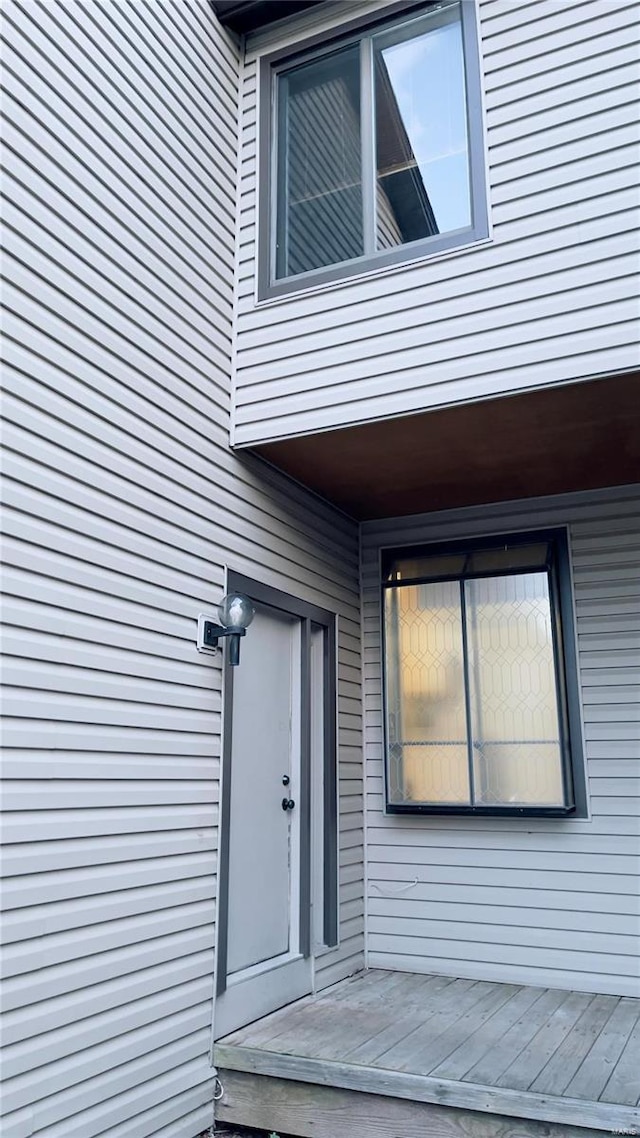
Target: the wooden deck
(442, 1056)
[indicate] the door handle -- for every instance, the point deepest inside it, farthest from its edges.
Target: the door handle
(288, 804)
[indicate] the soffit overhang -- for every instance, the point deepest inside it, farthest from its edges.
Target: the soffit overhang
(243, 16)
(557, 440)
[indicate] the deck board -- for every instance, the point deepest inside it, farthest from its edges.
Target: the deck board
(520, 1074)
(345, 1043)
(431, 1053)
(555, 1077)
(479, 1042)
(496, 1060)
(524, 1052)
(623, 1081)
(436, 1019)
(398, 1026)
(597, 1067)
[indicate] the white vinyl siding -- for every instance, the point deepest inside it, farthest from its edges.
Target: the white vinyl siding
(553, 297)
(549, 902)
(122, 507)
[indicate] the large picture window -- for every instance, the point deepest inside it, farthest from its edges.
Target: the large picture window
(480, 685)
(375, 149)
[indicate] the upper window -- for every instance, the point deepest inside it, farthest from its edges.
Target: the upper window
(480, 681)
(375, 150)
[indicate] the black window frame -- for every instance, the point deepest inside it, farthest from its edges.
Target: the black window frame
(271, 65)
(565, 659)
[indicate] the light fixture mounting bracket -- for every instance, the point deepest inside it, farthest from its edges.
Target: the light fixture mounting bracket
(211, 633)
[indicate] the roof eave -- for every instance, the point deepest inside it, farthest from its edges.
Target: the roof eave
(242, 16)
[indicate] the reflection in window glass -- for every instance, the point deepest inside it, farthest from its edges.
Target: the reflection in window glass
(499, 559)
(374, 145)
(408, 568)
(421, 135)
(319, 214)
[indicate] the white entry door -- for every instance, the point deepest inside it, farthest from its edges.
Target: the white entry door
(261, 956)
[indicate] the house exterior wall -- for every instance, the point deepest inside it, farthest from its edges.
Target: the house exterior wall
(547, 902)
(551, 298)
(123, 506)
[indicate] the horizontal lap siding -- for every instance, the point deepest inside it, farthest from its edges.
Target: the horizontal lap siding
(122, 507)
(540, 901)
(552, 298)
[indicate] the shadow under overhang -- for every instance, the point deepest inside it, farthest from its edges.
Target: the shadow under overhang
(243, 16)
(580, 436)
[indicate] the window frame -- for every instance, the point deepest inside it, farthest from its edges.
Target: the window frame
(271, 65)
(565, 661)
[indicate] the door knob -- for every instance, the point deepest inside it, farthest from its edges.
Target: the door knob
(285, 780)
(288, 804)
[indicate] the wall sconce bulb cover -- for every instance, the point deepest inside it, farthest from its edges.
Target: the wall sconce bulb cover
(236, 611)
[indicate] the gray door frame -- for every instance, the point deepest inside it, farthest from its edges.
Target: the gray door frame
(309, 615)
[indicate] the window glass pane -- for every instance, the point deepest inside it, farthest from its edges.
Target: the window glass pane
(423, 185)
(319, 191)
(499, 559)
(426, 718)
(508, 557)
(408, 568)
(517, 758)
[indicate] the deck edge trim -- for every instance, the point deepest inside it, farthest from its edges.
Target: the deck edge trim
(423, 1088)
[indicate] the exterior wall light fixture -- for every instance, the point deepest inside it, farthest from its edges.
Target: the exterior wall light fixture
(235, 613)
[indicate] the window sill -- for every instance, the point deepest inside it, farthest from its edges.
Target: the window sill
(511, 812)
(371, 272)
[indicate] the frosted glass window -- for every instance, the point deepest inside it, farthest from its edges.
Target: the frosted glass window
(427, 724)
(475, 692)
(515, 730)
